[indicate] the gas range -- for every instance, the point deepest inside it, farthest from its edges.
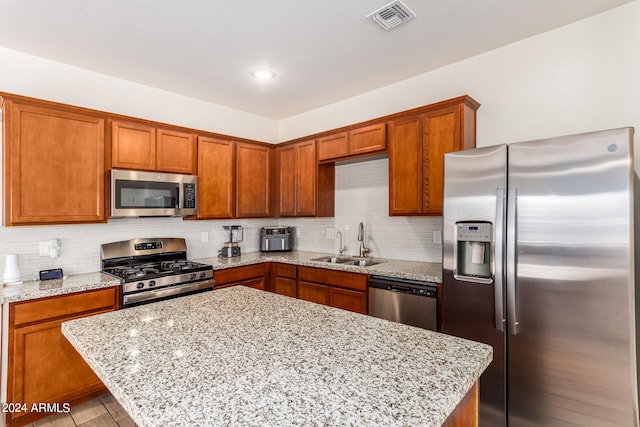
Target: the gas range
(154, 269)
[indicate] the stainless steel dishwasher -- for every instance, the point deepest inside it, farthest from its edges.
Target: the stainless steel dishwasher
(410, 302)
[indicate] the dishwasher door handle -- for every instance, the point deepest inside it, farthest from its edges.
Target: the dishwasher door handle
(399, 288)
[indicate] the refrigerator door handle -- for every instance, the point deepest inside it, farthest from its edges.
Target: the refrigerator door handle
(499, 260)
(512, 229)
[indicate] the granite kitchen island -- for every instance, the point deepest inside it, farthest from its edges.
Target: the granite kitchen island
(240, 356)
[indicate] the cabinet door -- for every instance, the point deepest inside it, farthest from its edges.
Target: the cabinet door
(348, 300)
(253, 163)
(176, 152)
(133, 146)
(285, 286)
(442, 135)
(216, 178)
(53, 163)
(307, 174)
(313, 292)
(368, 139)
(257, 283)
(333, 146)
(46, 368)
(287, 172)
(405, 166)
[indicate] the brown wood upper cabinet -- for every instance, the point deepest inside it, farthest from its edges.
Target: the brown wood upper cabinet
(216, 178)
(142, 147)
(304, 188)
(354, 143)
(53, 164)
(417, 145)
(253, 173)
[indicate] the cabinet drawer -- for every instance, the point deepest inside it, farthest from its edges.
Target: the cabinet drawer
(342, 279)
(61, 306)
(285, 270)
(238, 274)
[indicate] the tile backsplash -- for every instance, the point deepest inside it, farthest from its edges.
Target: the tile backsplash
(361, 196)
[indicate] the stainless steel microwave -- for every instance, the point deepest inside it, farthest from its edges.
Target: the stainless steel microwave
(135, 193)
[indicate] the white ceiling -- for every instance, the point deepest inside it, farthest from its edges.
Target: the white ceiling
(322, 51)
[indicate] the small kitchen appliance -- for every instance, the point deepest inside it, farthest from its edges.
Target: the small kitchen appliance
(231, 248)
(276, 239)
(136, 193)
(154, 269)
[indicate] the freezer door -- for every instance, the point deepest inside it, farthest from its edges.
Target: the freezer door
(571, 348)
(474, 189)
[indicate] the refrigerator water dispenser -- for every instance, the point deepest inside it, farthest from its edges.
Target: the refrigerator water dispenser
(473, 252)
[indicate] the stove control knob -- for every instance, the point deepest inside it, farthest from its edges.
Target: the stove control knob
(140, 285)
(203, 275)
(152, 282)
(192, 276)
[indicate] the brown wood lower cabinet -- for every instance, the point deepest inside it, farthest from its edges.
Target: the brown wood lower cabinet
(283, 279)
(313, 292)
(252, 276)
(43, 367)
(339, 289)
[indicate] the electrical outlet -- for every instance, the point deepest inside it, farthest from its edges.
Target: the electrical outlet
(205, 236)
(437, 236)
(331, 233)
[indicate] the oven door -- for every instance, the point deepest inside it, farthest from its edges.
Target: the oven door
(135, 193)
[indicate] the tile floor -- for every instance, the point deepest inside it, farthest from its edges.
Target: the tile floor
(103, 411)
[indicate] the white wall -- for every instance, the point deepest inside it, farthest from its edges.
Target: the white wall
(578, 78)
(36, 77)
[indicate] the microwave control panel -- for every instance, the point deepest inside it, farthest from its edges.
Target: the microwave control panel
(189, 196)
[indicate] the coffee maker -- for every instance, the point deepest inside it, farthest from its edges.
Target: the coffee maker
(231, 248)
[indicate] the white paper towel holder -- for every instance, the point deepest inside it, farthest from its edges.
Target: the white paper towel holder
(11, 274)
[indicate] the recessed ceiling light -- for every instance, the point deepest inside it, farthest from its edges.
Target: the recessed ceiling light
(263, 74)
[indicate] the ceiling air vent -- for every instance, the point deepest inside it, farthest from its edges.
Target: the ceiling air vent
(392, 15)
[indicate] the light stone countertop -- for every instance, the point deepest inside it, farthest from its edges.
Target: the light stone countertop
(240, 356)
(34, 289)
(414, 270)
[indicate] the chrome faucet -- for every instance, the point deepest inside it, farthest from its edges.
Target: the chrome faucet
(363, 250)
(341, 248)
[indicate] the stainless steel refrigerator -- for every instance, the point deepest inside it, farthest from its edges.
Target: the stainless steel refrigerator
(538, 261)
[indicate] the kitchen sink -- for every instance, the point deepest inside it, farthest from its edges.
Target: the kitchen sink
(364, 262)
(333, 259)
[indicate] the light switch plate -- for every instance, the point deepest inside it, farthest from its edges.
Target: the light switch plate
(331, 233)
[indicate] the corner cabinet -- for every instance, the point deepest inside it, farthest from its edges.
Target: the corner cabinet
(53, 164)
(304, 188)
(253, 186)
(43, 367)
(143, 147)
(417, 144)
(252, 276)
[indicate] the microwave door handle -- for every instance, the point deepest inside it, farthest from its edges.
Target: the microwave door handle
(179, 201)
(498, 260)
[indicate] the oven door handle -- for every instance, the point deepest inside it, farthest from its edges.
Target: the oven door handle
(150, 296)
